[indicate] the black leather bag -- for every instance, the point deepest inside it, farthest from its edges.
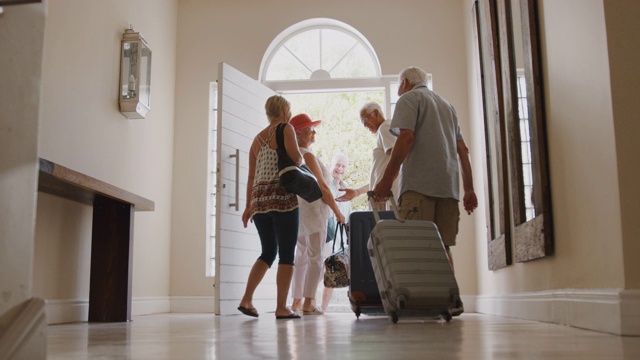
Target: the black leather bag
(336, 266)
(296, 179)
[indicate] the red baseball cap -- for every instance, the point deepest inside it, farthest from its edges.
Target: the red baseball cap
(303, 121)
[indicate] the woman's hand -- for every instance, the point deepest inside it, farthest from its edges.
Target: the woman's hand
(339, 217)
(246, 216)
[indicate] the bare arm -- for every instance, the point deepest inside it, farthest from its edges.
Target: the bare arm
(253, 153)
(404, 143)
(350, 194)
(469, 200)
(327, 196)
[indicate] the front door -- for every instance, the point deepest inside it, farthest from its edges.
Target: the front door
(241, 115)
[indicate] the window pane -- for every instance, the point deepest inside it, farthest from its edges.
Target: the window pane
(335, 45)
(356, 63)
(306, 48)
(341, 131)
(338, 52)
(284, 66)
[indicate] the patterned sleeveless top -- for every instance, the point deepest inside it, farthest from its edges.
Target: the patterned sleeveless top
(267, 194)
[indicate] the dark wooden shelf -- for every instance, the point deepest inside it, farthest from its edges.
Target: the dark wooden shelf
(111, 236)
(69, 184)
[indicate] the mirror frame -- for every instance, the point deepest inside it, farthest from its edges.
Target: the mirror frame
(532, 239)
(498, 229)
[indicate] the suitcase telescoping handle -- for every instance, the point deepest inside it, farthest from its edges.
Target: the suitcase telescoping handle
(374, 206)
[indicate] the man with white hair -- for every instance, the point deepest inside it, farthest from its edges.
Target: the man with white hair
(372, 118)
(428, 145)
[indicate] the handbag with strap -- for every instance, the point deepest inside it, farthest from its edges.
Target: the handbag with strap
(331, 229)
(336, 266)
(296, 179)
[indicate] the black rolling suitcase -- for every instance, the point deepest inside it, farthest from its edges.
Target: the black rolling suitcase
(364, 296)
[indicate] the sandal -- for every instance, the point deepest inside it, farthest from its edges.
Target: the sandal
(290, 316)
(315, 311)
(248, 311)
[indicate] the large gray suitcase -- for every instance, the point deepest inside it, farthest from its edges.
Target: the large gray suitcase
(412, 268)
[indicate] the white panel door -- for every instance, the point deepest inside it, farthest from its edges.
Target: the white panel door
(241, 115)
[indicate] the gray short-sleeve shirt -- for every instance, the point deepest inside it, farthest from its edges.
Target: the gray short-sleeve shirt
(431, 166)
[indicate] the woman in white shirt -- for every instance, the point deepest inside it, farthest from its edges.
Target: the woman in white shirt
(313, 223)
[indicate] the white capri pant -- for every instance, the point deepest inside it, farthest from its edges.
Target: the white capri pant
(308, 265)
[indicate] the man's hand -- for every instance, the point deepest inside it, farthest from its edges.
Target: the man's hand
(382, 190)
(470, 201)
(348, 195)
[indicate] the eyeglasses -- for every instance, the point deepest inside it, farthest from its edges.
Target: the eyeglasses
(364, 119)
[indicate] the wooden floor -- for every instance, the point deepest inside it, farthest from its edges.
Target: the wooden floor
(331, 336)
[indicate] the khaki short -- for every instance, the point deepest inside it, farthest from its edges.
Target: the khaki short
(444, 212)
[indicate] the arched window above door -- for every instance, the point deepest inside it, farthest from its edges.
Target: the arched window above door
(319, 49)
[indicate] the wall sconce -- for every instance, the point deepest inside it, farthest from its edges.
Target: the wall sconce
(135, 75)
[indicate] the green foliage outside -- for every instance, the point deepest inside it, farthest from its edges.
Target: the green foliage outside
(341, 131)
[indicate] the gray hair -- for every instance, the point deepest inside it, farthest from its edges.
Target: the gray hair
(414, 75)
(339, 155)
(370, 106)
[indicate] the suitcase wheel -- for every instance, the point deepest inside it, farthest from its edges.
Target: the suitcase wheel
(402, 302)
(447, 316)
(393, 317)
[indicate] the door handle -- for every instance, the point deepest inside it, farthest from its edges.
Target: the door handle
(237, 203)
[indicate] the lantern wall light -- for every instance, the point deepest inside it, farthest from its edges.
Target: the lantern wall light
(135, 75)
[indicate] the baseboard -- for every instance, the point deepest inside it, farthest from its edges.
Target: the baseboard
(24, 337)
(150, 305)
(613, 311)
(62, 311)
(192, 304)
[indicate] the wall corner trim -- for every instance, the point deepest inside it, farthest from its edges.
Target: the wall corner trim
(614, 311)
(24, 337)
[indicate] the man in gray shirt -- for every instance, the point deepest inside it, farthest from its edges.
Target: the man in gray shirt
(428, 146)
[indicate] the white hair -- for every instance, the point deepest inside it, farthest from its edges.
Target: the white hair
(370, 106)
(337, 156)
(414, 75)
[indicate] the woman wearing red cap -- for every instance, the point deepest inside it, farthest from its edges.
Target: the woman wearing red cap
(272, 208)
(313, 223)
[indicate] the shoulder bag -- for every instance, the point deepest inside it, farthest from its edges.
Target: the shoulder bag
(296, 179)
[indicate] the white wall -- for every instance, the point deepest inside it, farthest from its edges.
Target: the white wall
(83, 129)
(21, 39)
(20, 70)
(623, 32)
(429, 34)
